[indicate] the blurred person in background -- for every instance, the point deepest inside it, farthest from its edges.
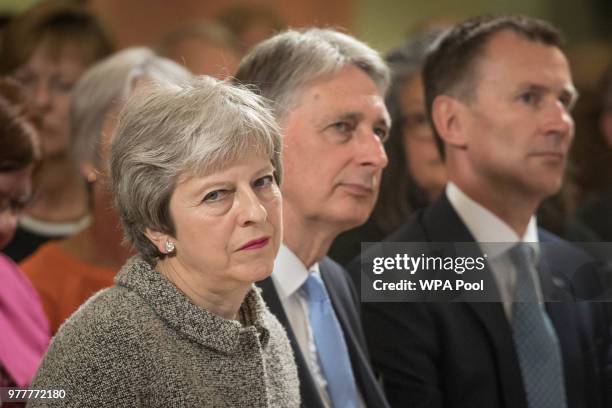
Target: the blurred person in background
(596, 214)
(47, 49)
(194, 170)
(415, 175)
(251, 24)
(68, 272)
(203, 47)
(24, 330)
(5, 19)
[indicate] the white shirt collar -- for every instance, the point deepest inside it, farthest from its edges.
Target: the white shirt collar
(289, 272)
(485, 226)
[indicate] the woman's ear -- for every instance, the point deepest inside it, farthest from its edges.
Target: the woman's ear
(163, 242)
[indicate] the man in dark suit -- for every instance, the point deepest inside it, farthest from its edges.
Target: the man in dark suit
(327, 90)
(499, 94)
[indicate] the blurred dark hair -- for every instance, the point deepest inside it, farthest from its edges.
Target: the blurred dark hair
(19, 146)
(59, 21)
(399, 194)
(606, 89)
(450, 69)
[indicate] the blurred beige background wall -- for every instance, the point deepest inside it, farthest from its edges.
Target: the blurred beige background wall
(384, 22)
(380, 22)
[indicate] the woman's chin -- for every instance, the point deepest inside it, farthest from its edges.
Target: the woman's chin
(258, 271)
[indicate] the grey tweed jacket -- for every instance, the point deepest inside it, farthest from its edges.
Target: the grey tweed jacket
(144, 343)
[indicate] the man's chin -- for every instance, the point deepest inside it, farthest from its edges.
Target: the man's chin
(547, 188)
(349, 222)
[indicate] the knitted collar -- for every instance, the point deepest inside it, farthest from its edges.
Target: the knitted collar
(180, 313)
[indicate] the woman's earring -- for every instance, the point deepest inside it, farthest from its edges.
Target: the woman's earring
(169, 246)
(92, 177)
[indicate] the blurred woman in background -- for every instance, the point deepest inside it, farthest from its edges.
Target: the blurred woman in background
(47, 49)
(596, 212)
(68, 272)
(416, 174)
(24, 330)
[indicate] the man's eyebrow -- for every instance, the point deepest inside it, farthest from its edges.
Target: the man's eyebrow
(530, 86)
(570, 89)
(333, 117)
(351, 116)
(354, 116)
(358, 116)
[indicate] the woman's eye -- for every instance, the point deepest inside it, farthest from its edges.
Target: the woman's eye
(25, 79)
(412, 120)
(264, 181)
(16, 205)
(214, 196)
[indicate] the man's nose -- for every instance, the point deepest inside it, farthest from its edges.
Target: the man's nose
(371, 150)
(559, 120)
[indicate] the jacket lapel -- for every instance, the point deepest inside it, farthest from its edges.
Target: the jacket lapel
(359, 359)
(563, 315)
(308, 390)
(441, 223)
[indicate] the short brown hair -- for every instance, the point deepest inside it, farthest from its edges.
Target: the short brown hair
(19, 145)
(61, 21)
(450, 67)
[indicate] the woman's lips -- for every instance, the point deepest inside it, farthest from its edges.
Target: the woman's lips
(255, 244)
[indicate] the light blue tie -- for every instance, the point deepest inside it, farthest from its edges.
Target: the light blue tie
(535, 338)
(331, 347)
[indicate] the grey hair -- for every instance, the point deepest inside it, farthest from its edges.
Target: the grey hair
(280, 66)
(106, 83)
(167, 132)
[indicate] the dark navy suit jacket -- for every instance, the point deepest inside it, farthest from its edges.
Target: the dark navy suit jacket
(462, 354)
(346, 305)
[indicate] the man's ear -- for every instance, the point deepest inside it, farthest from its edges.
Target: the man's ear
(448, 117)
(158, 239)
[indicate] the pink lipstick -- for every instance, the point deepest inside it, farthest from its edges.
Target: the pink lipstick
(255, 244)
